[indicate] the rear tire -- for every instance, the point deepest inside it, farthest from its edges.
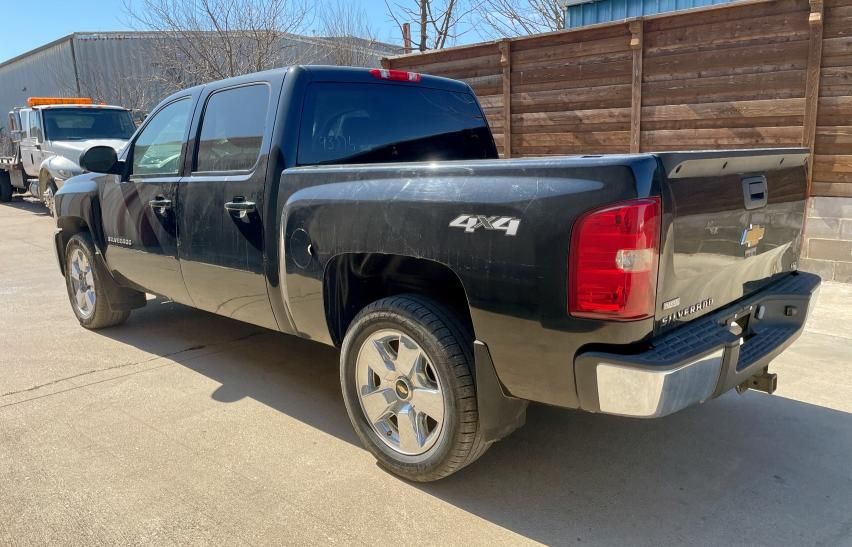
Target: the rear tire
(6, 189)
(86, 281)
(406, 374)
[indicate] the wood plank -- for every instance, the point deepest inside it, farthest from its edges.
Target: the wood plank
(710, 15)
(444, 55)
(605, 138)
(567, 51)
(837, 21)
(565, 150)
(721, 138)
(570, 128)
(636, 44)
(573, 36)
(832, 189)
(568, 70)
(725, 110)
(812, 83)
(594, 116)
(735, 123)
(738, 60)
(506, 63)
(475, 66)
(833, 140)
(619, 79)
(785, 27)
(835, 111)
(833, 163)
(775, 85)
(581, 99)
(588, 61)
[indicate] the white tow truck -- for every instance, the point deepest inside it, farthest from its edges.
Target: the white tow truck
(49, 135)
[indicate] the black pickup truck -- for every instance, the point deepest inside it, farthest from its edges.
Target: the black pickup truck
(368, 209)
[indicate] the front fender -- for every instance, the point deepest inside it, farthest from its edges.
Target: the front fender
(59, 169)
(78, 208)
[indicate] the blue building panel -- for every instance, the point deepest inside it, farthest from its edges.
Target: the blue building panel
(605, 11)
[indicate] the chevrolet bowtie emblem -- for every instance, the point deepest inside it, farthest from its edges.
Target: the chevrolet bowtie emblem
(752, 235)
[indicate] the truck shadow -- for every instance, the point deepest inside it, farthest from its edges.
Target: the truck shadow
(29, 204)
(741, 469)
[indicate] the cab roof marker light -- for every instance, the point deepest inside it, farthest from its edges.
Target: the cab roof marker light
(44, 101)
(395, 75)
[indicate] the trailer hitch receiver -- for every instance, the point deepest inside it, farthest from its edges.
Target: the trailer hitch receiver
(765, 381)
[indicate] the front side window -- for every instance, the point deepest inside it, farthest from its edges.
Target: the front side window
(158, 148)
(78, 124)
(232, 129)
(373, 123)
(35, 126)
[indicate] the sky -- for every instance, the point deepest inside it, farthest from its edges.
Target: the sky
(54, 19)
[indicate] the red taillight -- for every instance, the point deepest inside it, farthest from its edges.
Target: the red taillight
(396, 75)
(612, 269)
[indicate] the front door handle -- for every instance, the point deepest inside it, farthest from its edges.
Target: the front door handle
(240, 207)
(160, 205)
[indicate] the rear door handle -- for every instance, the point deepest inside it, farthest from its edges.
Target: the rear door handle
(160, 205)
(240, 207)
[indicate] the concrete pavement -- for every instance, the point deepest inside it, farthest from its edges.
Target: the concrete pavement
(185, 427)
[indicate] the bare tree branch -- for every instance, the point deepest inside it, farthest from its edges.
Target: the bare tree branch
(509, 18)
(347, 24)
(439, 22)
(198, 41)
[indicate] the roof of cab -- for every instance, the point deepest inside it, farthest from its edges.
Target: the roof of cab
(331, 74)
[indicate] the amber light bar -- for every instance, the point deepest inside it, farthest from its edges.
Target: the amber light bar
(43, 101)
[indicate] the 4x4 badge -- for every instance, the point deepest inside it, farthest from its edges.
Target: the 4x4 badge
(470, 223)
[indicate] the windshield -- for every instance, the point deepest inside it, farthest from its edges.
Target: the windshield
(75, 124)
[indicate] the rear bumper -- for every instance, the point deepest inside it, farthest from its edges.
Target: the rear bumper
(700, 360)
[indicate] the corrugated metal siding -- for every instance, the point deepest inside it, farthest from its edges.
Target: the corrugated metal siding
(46, 71)
(120, 67)
(604, 11)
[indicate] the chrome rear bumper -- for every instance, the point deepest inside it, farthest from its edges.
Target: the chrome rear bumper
(701, 359)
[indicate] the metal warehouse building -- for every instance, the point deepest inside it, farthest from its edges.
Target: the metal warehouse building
(119, 67)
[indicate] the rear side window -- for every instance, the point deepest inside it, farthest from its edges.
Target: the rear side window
(375, 123)
(232, 129)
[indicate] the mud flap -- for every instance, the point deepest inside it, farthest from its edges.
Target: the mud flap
(499, 414)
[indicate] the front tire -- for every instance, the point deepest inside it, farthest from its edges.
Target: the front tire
(406, 374)
(86, 281)
(48, 197)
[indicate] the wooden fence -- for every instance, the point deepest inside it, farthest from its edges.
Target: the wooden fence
(751, 74)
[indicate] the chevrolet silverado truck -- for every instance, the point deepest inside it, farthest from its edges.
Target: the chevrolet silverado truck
(49, 136)
(368, 209)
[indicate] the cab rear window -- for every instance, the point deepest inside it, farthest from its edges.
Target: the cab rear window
(377, 123)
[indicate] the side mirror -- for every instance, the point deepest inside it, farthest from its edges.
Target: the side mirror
(100, 159)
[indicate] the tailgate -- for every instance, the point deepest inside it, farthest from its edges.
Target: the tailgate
(732, 223)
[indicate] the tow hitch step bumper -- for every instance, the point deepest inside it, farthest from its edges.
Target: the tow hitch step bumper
(702, 359)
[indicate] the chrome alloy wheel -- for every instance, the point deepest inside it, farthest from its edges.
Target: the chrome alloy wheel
(82, 283)
(399, 392)
(49, 200)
